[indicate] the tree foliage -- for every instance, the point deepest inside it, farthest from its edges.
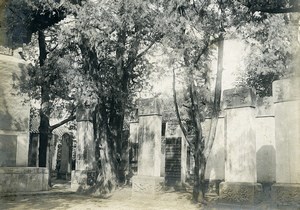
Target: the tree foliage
(273, 49)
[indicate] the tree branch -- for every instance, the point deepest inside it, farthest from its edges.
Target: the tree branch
(217, 100)
(178, 114)
(70, 118)
(207, 44)
(145, 51)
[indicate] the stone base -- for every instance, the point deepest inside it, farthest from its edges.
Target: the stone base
(23, 179)
(286, 194)
(240, 192)
(82, 179)
(147, 186)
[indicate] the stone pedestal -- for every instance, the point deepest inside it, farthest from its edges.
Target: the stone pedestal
(240, 143)
(241, 192)
(286, 95)
(149, 140)
(85, 174)
(147, 186)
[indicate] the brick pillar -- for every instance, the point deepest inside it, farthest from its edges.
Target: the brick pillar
(240, 145)
(148, 180)
(84, 174)
(286, 94)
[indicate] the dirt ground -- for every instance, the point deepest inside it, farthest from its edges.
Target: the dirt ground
(60, 198)
(120, 200)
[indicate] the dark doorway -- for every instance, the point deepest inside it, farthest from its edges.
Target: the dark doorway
(173, 161)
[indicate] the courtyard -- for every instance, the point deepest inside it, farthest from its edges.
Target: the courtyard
(62, 197)
(149, 104)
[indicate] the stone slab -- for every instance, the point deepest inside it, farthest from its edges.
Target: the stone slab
(23, 179)
(147, 186)
(239, 97)
(240, 193)
(286, 194)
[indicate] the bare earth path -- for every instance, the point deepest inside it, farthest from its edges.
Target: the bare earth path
(120, 200)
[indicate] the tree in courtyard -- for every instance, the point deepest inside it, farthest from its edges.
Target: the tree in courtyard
(109, 41)
(200, 25)
(95, 58)
(32, 20)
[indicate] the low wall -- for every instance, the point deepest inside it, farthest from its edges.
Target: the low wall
(23, 179)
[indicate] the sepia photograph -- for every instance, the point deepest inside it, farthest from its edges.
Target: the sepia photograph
(150, 105)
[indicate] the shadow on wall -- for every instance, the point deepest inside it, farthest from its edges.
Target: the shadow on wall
(266, 164)
(12, 115)
(215, 170)
(6, 119)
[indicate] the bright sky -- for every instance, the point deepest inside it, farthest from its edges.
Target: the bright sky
(234, 51)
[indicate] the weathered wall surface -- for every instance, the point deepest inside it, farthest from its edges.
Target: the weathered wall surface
(240, 142)
(215, 168)
(23, 179)
(14, 113)
(265, 140)
(286, 95)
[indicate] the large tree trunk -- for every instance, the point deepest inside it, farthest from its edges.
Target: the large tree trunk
(200, 161)
(204, 148)
(44, 127)
(45, 111)
(116, 119)
(107, 176)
